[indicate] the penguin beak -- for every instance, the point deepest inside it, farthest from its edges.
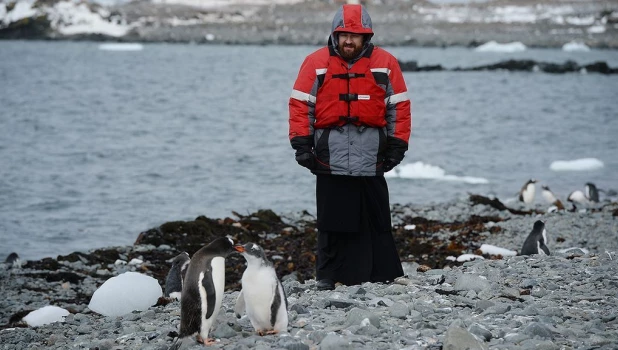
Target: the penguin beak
(239, 248)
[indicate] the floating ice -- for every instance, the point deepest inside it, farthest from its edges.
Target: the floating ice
(493, 46)
(575, 46)
(124, 293)
(494, 250)
(45, 315)
(420, 170)
(577, 164)
(121, 47)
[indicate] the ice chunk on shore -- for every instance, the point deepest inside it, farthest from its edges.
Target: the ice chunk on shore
(576, 165)
(420, 170)
(494, 250)
(45, 315)
(493, 46)
(124, 293)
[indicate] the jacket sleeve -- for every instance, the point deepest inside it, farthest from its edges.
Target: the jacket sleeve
(398, 113)
(302, 107)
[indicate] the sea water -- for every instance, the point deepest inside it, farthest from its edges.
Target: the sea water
(97, 145)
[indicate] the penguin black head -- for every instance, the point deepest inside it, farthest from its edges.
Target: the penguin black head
(252, 251)
(221, 246)
(180, 259)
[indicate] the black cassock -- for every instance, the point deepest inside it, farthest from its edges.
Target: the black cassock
(355, 241)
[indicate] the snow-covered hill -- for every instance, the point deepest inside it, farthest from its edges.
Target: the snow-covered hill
(546, 23)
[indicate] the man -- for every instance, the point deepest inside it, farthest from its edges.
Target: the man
(349, 124)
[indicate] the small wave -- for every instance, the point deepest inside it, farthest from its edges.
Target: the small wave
(121, 47)
(582, 164)
(420, 170)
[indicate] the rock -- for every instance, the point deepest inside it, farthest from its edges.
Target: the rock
(356, 317)
(471, 282)
(457, 338)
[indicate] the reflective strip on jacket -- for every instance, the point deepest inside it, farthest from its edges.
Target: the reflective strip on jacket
(354, 142)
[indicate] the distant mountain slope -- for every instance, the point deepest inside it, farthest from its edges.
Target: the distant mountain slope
(550, 23)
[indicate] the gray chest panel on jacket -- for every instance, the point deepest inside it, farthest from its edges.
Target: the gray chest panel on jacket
(353, 150)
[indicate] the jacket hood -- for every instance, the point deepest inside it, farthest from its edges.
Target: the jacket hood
(351, 18)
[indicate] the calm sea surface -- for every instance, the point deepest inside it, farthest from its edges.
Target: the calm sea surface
(97, 146)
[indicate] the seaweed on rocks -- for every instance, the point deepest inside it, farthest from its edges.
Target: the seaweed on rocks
(430, 242)
(290, 248)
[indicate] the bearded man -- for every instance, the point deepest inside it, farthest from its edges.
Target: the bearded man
(350, 123)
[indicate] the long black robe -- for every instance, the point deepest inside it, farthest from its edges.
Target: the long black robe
(355, 241)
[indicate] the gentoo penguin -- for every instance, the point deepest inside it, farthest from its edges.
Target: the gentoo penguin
(535, 243)
(592, 194)
(550, 198)
(202, 291)
(577, 197)
(176, 275)
(262, 295)
(12, 261)
(526, 194)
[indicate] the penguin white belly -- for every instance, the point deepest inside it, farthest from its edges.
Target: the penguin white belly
(528, 194)
(259, 288)
(218, 279)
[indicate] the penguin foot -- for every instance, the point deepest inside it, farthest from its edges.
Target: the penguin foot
(262, 333)
(207, 341)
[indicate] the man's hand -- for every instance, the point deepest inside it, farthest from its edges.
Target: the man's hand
(307, 160)
(389, 164)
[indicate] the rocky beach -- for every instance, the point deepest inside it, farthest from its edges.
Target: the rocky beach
(568, 300)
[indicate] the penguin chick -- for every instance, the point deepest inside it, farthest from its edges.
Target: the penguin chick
(262, 295)
(526, 194)
(536, 240)
(550, 198)
(176, 275)
(591, 192)
(202, 291)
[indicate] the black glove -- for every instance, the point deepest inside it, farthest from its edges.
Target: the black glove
(389, 164)
(306, 159)
(395, 151)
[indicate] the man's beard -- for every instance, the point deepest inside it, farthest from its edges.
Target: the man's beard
(348, 55)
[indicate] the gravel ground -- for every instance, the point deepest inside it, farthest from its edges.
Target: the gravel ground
(563, 301)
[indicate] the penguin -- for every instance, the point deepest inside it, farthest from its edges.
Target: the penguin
(577, 197)
(550, 198)
(591, 192)
(535, 242)
(202, 291)
(12, 261)
(176, 275)
(262, 296)
(526, 194)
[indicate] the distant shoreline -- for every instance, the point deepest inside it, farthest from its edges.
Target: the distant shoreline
(422, 24)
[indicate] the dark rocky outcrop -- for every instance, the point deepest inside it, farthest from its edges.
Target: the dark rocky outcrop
(519, 66)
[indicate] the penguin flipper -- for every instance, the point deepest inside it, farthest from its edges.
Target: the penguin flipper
(211, 294)
(239, 308)
(544, 247)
